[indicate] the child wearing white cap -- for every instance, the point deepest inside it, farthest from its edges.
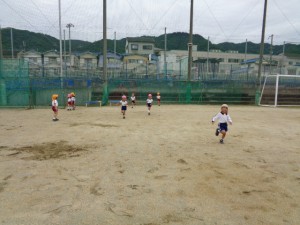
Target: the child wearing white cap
(223, 118)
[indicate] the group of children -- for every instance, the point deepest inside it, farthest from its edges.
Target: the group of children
(149, 102)
(71, 104)
(71, 101)
(223, 117)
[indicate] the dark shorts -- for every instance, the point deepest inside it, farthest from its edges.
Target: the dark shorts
(149, 104)
(124, 108)
(133, 101)
(54, 109)
(223, 126)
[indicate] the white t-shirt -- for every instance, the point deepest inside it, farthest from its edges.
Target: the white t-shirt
(149, 101)
(123, 103)
(69, 99)
(158, 97)
(54, 103)
(223, 118)
(132, 98)
(73, 99)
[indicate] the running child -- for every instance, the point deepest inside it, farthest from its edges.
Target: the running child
(69, 102)
(158, 98)
(124, 105)
(132, 100)
(223, 118)
(73, 100)
(55, 107)
(149, 102)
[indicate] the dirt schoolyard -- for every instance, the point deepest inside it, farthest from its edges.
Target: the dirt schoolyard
(93, 167)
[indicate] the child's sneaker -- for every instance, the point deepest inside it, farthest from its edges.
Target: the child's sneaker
(217, 131)
(221, 141)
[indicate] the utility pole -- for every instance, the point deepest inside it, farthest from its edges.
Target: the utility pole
(69, 25)
(283, 51)
(261, 53)
(271, 53)
(105, 88)
(60, 42)
(246, 49)
(115, 42)
(165, 54)
(3, 95)
(190, 58)
(65, 48)
(207, 57)
(1, 52)
(115, 50)
(60, 53)
(1, 49)
(190, 44)
(12, 43)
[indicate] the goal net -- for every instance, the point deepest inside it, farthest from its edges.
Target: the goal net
(281, 90)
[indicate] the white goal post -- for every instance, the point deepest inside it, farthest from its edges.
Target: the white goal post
(280, 90)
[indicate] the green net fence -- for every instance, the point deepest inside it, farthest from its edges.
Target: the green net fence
(19, 88)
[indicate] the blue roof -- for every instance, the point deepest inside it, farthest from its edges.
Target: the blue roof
(250, 61)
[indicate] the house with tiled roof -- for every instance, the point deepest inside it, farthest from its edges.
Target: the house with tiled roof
(140, 45)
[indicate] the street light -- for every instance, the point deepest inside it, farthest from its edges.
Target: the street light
(69, 25)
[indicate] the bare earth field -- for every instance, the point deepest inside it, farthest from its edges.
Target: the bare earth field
(92, 167)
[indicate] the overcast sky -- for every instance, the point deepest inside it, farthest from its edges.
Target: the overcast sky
(221, 20)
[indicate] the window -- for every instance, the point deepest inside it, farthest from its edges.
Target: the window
(52, 60)
(136, 61)
(233, 60)
(88, 62)
(147, 47)
(32, 59)
(292, 71)
(134, 47)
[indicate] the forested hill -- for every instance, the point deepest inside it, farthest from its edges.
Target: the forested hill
(26, 40)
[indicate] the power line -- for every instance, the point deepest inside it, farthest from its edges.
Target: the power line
(17, 13)
(137, 14)
(286, 18)
(244, 18)
(24, 19)
(164, 14)
(40, 11)
(215, 19)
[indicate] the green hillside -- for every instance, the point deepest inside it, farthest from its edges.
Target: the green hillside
(26, 40)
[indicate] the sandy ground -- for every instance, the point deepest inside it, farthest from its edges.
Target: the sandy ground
(93, 167)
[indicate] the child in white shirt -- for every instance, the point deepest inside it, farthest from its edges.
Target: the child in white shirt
(73, 100)
(55, 107)
(149, 103)
(69, 102)
(124, 104)
(223, 118)
(158, 98)
(132, 100)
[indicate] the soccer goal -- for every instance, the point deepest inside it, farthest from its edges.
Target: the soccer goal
(280, 90)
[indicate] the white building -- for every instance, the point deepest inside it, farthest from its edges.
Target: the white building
(226, 63)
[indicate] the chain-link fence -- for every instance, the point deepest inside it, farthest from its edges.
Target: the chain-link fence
(21, 87)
